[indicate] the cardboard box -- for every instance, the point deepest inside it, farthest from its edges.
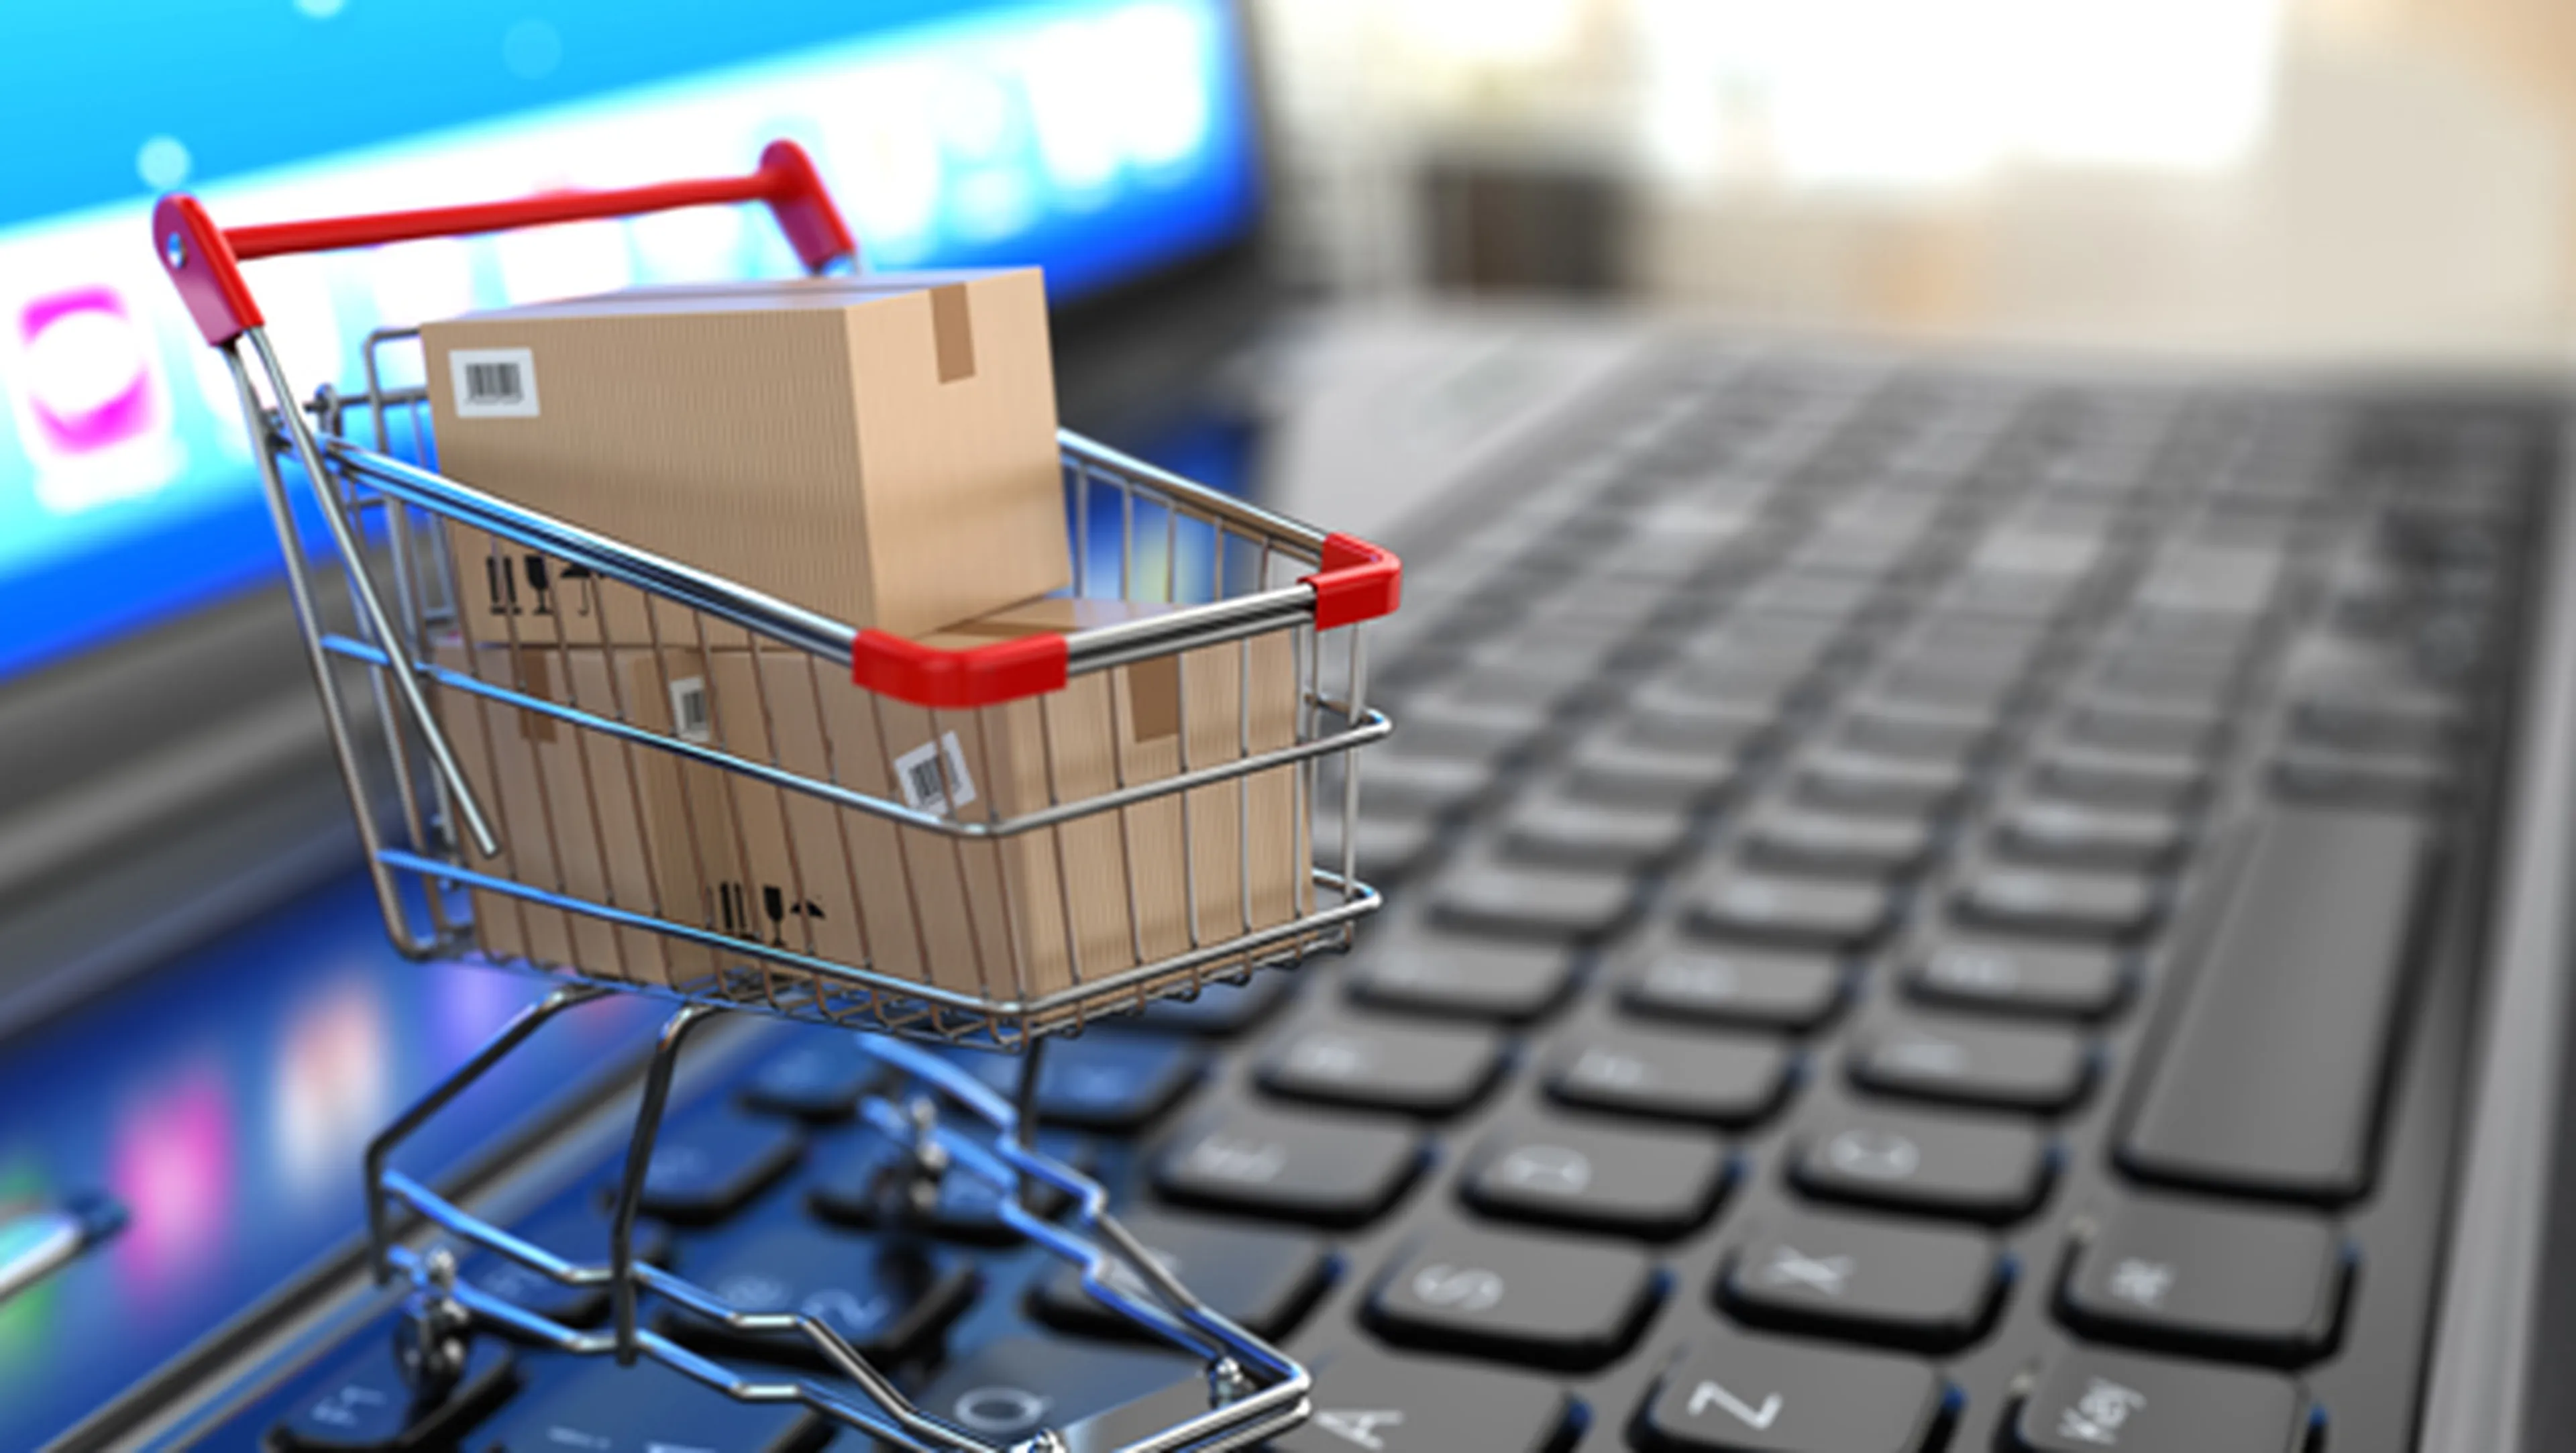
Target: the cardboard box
(880, 449)
(1016, 919)
(585, 814)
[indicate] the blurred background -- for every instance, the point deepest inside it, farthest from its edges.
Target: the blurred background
(2387, 178)
(2375, 179)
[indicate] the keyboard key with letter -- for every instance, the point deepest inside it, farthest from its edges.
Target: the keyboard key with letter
(1754, 1395)
(2219, 1281)
(2086, 1402)
(1524, 1298)
(1981, 1169)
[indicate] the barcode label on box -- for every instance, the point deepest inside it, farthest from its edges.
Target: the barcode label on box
(689, 721)
(494, 383)
(925, 788)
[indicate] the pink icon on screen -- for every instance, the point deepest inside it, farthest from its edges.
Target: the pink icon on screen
(87, 371)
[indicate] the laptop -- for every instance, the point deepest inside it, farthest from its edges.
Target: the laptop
(1937, 900)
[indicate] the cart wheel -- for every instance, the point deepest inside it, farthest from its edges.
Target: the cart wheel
(430, 1336)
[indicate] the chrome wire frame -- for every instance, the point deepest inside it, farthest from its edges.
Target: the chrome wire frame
(360, 485)
(1255, 1392)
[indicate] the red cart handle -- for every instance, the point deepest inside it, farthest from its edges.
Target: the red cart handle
(204, 261)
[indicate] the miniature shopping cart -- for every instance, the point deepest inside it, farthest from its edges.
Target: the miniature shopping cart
(1249, 596)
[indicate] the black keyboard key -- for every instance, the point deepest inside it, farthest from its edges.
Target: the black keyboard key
(2073, 834)
(1765, 988)
(1842, 917)
(1401, 784)
(1453, 975)
(1553, 828)
(1524, 1298)
(599, 1407)
(1220, 1011)
(1712, 1079)
(1888, 729)
(1652, 1183)
(882, 1299)
(1902, 786)
(2360, 779)
(2271, 1081)
(2071, 981)
(1858, 1277)
(2158, 781)
(1564, 903)
(2428, 723)
(577, 1233)
(365, 1405)
(710, 1165)
(1522, 687)
(1297, 1167)
(1420, 1069)
(1982, 1169)
(1435, 726)
(1389, 847)
(1374, 1403)
(2087, 1401)
(2075, 903)
(1737, 1394)
(2217, 1281)
(1967, 1063)
(1625, 774)
(1114, 1082)
(2146, 727)
(818, 1077)
(1706, 729)
(1796, 840)
(1010, 1390)
(1260, 1279)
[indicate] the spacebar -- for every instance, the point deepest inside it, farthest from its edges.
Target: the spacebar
(2271, 1083)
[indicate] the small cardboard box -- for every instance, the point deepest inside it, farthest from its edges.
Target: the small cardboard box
(1013, 919)
(880, 450)
(585, 814)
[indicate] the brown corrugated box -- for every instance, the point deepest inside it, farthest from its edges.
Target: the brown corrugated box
(990, 918)
(584, 814)
(880, 450)
(795, 872)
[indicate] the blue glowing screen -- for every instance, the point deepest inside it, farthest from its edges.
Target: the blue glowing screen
(1098, 140)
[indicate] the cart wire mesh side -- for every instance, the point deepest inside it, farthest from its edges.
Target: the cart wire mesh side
(629, 775)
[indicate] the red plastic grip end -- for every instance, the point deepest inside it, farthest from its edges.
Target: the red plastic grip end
(202, 266)
(803, 207)
(1359, 582)
(949, 680)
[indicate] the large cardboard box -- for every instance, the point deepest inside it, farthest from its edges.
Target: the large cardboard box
(1019, 918)
(587, 815)
(878, 449)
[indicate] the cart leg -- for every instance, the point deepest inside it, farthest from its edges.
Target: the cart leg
(1024, 1124)
(379, 1150)
(639, 1159)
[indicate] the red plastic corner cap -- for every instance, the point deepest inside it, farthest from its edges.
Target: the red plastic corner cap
(803, 207)
(923, 675)
(1359, 582)
(202, 266)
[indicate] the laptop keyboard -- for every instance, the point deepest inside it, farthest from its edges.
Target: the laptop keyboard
(1913, 895)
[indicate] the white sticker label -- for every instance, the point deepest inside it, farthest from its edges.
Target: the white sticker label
(689, 720)
(925, 787)
(494, 383)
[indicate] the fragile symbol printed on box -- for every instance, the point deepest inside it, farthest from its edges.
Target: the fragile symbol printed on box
(494, 383)
(934, 777)
(689, 719)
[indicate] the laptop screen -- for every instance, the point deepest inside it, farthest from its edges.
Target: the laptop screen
(1100, 139)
